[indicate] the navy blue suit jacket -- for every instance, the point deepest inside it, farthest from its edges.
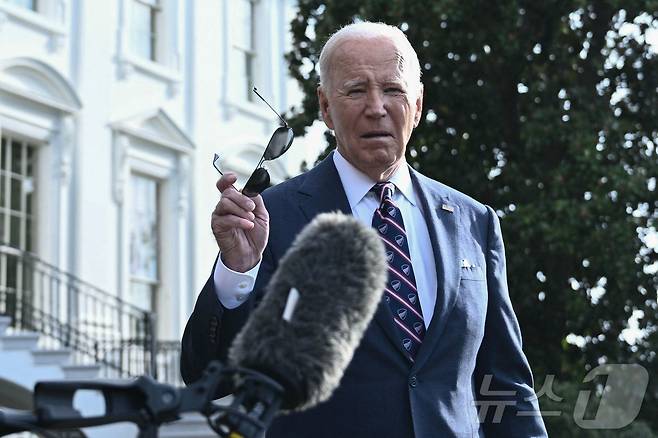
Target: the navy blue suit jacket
(473, 338)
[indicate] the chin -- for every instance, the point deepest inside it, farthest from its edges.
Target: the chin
(376, 158)
(368, 158)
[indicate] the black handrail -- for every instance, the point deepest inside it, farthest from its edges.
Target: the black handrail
(98, 327)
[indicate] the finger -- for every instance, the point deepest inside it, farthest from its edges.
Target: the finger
(226, 181)
(259, 205)
(227, 206)
(242, 201)
(230, 222)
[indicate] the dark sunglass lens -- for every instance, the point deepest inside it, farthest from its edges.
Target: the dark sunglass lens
(279, 143)
(258, 181)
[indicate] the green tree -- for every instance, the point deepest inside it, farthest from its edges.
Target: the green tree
(548, 112)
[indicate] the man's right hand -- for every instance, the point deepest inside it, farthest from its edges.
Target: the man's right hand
(240, 225)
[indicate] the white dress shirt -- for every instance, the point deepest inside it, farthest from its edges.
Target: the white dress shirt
(234, 287)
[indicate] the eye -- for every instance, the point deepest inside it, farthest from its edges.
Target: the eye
(394, 90)
(355, 91)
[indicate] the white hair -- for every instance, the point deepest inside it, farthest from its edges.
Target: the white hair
(365, 30)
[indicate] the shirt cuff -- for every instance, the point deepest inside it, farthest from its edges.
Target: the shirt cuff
(233, 288)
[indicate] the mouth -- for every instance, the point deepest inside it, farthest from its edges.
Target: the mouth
(376, 134)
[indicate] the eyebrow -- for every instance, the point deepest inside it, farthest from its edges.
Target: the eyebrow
(362, 82)
(399, 81)
(354, 83)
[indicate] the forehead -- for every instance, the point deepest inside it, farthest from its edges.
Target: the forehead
(377, 58)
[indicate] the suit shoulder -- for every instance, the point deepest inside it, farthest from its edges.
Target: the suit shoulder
(281, 192)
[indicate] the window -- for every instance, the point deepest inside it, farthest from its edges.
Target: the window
(45, 17)
(144, 241)
(150, 42)
(244, 47)
(145, 28)
(27, 4)
(151, 176)
(17, 166)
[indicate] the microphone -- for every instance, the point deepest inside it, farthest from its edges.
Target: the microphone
(290, 355)
(315, 311)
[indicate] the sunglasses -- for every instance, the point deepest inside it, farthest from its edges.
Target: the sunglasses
(278, 145)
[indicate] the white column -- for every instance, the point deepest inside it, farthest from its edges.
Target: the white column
(120, 175)
(120, 155)
(183, 245)
(63, 142)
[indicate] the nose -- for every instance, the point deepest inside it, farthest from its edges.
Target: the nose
(375, 106)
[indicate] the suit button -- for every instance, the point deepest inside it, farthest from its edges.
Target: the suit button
(214, 323)
(413, 381)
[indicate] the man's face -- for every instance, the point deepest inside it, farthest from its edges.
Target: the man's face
(370, 106)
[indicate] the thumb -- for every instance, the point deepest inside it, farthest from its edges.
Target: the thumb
(260, 204)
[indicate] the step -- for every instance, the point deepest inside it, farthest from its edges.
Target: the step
(82, 372)
(51, 357)
(4, 323)
(19, 341)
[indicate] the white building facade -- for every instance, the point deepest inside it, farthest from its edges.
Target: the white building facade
(110, 113)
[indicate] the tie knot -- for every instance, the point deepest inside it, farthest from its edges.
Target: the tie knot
(384, 190)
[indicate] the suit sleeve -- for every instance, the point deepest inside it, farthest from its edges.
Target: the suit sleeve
(503, 380)
(211, 328)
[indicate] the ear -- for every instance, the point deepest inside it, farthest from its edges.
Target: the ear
(419, 105)
(324, 108)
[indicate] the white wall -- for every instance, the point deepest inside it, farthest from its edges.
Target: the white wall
(166, 120)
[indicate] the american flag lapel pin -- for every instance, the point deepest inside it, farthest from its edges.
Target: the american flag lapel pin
(448, 208)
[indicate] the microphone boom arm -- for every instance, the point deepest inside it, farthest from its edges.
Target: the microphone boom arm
(148, 404)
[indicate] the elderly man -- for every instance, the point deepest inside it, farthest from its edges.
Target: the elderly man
(444, 345)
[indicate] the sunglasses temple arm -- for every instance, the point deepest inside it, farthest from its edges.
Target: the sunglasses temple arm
(267, 103)
(222, 174)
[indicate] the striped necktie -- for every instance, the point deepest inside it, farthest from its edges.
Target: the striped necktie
(401, 292)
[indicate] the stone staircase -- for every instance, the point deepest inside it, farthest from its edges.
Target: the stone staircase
(23, 363)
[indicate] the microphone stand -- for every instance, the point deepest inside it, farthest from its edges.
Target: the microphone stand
(149, 404)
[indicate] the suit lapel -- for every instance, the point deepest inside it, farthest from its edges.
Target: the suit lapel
(322, 191)
(442, 218)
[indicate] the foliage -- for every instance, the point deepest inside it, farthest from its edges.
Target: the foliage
(548, 112)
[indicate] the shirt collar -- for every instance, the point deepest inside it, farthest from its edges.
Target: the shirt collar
(357, 184)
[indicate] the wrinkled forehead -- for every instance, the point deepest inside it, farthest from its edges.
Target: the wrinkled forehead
(381, 55)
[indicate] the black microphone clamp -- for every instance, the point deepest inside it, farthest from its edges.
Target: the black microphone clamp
(149, 404)
(256, 401)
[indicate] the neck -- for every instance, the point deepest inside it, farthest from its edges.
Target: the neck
(382, 175)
